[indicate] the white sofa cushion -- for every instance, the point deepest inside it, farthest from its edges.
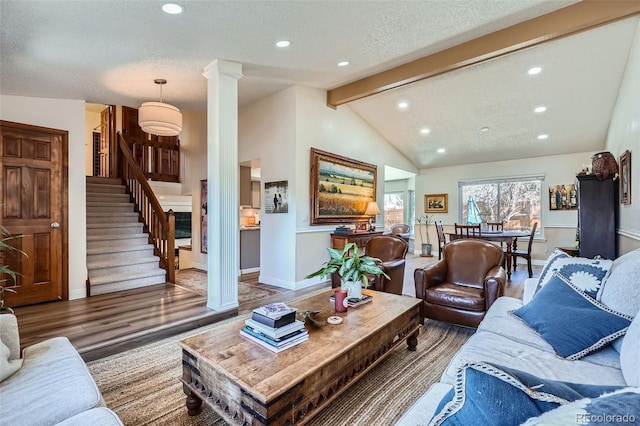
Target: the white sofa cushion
(7, 365)
(498, 320)
(573, 322)
(100, 416)
(620, 291)
(630, 354)
(425, 408)
(53, 385)
(496, 349)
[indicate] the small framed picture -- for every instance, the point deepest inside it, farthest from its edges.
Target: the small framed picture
(436, 203)
(276, 197)
(625, 178)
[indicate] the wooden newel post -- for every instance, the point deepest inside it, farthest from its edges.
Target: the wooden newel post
(171, 247)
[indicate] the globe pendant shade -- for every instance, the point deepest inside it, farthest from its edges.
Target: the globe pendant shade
(160, 119)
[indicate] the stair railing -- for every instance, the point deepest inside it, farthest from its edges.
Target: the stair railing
(159, 225)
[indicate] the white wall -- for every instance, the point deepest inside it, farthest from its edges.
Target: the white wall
(624, 134)
(343, 132)
(558, 227)
(69, 115)
(266, 131)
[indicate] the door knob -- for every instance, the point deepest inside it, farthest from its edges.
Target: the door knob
(55, 225)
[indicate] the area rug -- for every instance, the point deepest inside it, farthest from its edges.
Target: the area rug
(142, 385)
(249, 289)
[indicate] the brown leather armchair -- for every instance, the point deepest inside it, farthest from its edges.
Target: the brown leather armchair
(461, 287)
(391, 251)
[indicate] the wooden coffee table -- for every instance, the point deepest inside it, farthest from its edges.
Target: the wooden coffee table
(248, 384)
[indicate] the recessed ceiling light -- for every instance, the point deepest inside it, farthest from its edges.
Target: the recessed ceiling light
(425, 131)
(540, 109)
(484, 129)
(172, 8)
(403, 105)
(283, 43)
(544, 136)
(343, 63)
(441, 150)
(534, 70)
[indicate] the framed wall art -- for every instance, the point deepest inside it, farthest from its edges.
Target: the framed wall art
(203, 216)
(341, 188)
(625, 177)
(563, 197)
(276, 197)
(436, 203)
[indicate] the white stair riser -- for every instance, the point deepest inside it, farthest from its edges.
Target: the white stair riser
(107, 189)
(125, 285)
(117, 256)
(119, 218)
(110, 232)
(143, 239)
(124, 269)
(112, 208)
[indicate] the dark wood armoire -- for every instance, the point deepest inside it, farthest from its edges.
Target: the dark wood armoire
(597, 216)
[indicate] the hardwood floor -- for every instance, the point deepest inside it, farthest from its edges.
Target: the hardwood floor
(106, 324)
(102, 325)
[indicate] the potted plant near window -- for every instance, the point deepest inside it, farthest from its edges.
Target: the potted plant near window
(352, 268)
(5, 249)
(426, 220)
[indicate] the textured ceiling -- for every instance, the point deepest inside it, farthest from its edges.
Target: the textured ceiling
(110, 51)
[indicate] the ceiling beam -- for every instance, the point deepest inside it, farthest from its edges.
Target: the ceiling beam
(569, 20)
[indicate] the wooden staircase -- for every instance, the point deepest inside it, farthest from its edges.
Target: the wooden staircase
(119, 255)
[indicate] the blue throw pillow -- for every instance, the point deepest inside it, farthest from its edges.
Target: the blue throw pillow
(493, 395)
(586, 274)
(616, 408)
(573, 323)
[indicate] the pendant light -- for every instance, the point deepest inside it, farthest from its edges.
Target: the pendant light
(159, 118)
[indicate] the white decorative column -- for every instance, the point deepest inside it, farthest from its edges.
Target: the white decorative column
(223, 231)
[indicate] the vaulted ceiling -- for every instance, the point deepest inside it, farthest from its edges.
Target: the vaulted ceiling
(111, 51)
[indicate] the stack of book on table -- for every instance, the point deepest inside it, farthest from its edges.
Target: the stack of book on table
(354, 302)
(275, 327)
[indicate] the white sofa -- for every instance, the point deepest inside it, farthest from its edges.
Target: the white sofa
(504, 340)
(49, 385)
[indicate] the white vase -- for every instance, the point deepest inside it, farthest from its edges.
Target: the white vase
(353, 288)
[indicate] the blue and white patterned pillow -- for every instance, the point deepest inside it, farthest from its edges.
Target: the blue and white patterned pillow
(616, 408)
(573, 323)
(490, 394)
(586, 274)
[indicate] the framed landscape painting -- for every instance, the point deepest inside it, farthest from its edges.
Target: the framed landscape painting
(341, 188)
(436, 203)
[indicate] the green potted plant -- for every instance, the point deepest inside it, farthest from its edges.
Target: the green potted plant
(426, 220)
(6, 248)
(352, 268)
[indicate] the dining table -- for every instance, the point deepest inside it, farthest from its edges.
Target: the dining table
(509, 238)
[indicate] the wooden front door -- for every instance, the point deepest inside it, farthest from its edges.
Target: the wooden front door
(33, 206)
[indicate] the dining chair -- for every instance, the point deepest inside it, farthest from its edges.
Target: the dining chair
(495, 226)
(401, 230)
(525, 254)
(442, 239)
(467, 231)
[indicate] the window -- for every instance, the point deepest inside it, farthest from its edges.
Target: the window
(514, 201)
(393, 209)
(412, 209)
